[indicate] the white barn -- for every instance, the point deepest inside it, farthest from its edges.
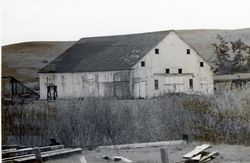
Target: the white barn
(127, 66)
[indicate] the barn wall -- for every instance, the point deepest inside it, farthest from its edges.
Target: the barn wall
(94, 84)
(172, 55)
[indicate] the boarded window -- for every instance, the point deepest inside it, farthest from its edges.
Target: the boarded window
(188, 51)
(191, 84)
(180, 71)
(156, 84)
(142, 63)
(157, 51)
(201, 64)
(167, 71)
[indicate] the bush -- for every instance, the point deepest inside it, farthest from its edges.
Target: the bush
(223, 118)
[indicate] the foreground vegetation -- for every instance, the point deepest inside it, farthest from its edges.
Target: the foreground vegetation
(223, 117)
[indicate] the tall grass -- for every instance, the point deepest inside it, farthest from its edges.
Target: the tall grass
(223, 117)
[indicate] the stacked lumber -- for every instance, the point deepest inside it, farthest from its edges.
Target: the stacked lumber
(41, 153)
(199, 154)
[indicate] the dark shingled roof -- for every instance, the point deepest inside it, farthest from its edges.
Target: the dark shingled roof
(108, 53)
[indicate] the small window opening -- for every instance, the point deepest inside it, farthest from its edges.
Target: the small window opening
(191, 85)
(180, 71)
(188, 51)
(142, 63)
(157, 51)
(167, 71)
(201, 64)
(156, 84)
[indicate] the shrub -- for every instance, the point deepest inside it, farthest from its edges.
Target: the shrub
(224, 118)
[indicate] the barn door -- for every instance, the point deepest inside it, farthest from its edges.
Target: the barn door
(140, 90)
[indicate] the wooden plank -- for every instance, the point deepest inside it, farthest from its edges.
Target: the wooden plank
(8, 150)
(197, 157)
(196, 151)
(30, 150)
(50, 154)
(12, 146)
(209, 156)
(28, 155)
(143, 145)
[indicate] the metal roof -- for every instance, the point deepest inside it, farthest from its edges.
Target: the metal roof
(108, 53)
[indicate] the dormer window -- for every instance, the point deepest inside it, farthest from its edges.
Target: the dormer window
(157, 51)
(142, 63)
(188, 51)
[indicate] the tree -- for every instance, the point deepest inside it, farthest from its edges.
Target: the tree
(239, 62)
(222, 62)
(231, 57)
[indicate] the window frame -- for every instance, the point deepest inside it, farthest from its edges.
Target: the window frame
(191, 83)
(156, 84)
(143, 64)
(180, 71)
(157, 51)
(201, 64)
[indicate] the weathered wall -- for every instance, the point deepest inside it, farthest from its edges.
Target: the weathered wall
(172, 55)
(139, 82)
(93, 84)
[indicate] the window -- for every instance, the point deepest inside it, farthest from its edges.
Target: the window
(191, 85)
(156, 84)
(142, 63)
(180, 71)
(167, 71)
(156, 51)
(188, 51)
(201, 64)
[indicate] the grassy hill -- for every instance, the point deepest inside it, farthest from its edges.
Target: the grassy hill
(24, 60)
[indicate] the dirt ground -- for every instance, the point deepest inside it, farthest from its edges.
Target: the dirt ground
(228, 153)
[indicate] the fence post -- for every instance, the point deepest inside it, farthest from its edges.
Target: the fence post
(38, 155)
(164, 155)
(185, 138)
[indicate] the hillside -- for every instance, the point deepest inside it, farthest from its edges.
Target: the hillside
(202, 39)
(23, 60)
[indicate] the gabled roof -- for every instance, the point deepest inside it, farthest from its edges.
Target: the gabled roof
(109, 53)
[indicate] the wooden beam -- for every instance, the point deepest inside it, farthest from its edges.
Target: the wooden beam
(28, 155)
(143, 145)
(51, 154)
(209, 156)
(196, 151)
(30, 150)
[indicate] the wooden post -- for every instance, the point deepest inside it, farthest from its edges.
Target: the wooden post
(38, 155)
(164, 155)
(185, 138)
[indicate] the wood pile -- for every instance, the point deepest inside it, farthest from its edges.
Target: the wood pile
(37, 154)
(200, 155)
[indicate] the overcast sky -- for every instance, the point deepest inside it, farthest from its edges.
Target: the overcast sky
(38, 20)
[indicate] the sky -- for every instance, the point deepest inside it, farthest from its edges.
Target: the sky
(65, 20)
